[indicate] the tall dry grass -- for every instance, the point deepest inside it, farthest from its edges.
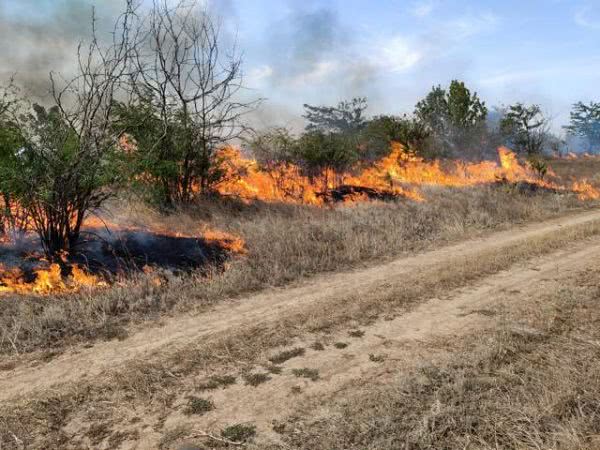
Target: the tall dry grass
(285, 243)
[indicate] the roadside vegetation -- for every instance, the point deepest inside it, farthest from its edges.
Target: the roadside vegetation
(285, 243)
(158, 387)
(531, 384)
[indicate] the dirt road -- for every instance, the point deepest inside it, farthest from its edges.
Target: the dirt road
(390, 347)
(177, 332)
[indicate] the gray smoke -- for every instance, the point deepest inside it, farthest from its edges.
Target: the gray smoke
(38, 39)
(312, 45)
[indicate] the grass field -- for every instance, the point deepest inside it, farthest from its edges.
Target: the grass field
(285, 243)
(466, 321)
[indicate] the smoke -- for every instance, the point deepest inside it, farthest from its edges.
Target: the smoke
(41, 36)
(312, 48)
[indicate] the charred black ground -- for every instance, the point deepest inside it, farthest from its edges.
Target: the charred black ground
(111, 253)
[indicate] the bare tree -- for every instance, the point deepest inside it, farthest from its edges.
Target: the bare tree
(62, 170)
(191, 86)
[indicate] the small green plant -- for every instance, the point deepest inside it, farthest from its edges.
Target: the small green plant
(539, 166)
(275, 370)
(318, 346)
(376, 358)
(216, 381)
(287, 354)
(239, 433)
(198, 406)
(254, 379)
(340, 345)
(311, 374)
(356, 333)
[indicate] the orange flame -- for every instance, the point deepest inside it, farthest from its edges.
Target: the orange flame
(400, 173)
(234, 244)
(46, 281)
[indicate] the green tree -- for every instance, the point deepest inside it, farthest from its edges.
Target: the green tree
(160, 159)
(525, 128)
(60, 168)
(317, 152)
(346, 117)
(57, 179)
(189, 85)
(454, 116)
(11, 142)
(585, 122)
(273, 147)
(381, 131)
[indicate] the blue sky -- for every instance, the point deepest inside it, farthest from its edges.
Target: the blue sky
(391, 51)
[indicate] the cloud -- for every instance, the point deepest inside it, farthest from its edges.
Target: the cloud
(470, 25)
(258, 75)
(396, 54)
(580, 68)
(588, 17)
(422, 9)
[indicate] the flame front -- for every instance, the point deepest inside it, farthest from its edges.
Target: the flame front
(399, 174)
(46, 281)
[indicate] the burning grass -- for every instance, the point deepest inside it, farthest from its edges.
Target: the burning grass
(284, 243)
(400, 174)
(110, 253)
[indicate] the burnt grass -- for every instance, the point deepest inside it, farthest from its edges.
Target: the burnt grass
(130, 251)
(109, 254)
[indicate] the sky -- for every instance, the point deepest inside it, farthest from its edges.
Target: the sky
(391, 51)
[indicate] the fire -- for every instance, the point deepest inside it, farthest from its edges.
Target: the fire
(399, 174)
(233, 244)
(68, 276)
(585, 191)
(47, 280)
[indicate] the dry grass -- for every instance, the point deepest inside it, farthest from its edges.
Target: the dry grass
(534, 387)
(154, 385)
(577, 169)
(285, 243)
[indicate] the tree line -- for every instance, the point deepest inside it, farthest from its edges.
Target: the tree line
(151, 107)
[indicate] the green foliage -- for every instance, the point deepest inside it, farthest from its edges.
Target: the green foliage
(198, 406)
(165, 159)
(255, 379)
(54, 175)
(11, 141)
(585, 122)
(465, 110)
(274, 146)
(539, 166)
(239, 433)
(311, 374)
(454, 116)
(524, 128)
(346, 117)
(318, 151)
(381, 131)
